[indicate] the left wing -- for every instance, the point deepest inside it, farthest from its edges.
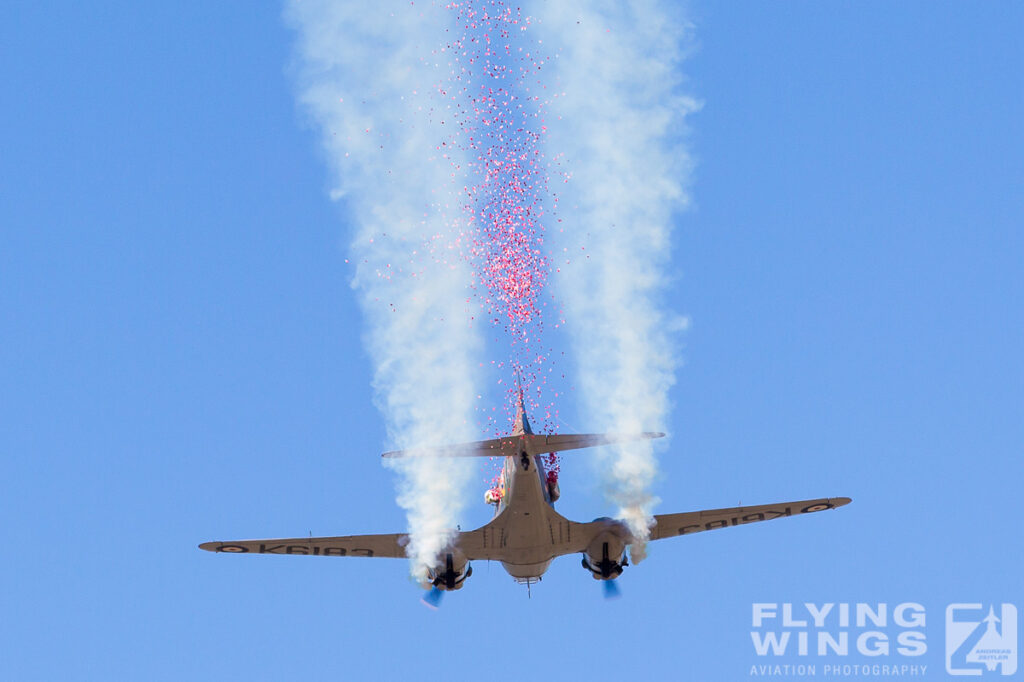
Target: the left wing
(671, 525)
(392, 546)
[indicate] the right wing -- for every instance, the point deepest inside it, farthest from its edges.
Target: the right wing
(671, 525)
(392, 546)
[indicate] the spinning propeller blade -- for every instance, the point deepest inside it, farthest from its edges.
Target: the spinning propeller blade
(433, 597)
(611, 589)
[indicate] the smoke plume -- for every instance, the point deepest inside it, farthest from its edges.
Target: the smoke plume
(618, 117)
(368, 75)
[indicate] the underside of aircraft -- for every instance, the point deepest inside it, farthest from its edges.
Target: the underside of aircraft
(526, 533)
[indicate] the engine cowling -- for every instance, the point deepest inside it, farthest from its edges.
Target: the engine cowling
(606, 556)
(452, 573)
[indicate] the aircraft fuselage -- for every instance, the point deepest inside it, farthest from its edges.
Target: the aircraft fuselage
(528, 525)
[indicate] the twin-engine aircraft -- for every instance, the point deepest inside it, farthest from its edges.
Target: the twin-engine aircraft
(527, 533)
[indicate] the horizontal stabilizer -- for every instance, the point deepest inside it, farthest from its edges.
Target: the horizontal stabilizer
(530, 443)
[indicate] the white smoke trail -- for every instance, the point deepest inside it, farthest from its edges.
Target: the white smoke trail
(369, 76)
(618, 116)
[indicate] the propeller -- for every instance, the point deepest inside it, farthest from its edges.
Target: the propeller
(611, 589)
(432, 598)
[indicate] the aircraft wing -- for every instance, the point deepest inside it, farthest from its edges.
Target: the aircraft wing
(687, 523)
(392, 546)
(555, 535)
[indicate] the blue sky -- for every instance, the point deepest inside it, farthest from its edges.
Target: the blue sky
(182, 356)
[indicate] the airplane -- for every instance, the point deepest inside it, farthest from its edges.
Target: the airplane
(526, 533)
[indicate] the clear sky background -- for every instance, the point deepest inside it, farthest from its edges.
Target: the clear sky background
(181, 355)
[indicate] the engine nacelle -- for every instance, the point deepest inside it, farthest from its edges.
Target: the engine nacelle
(606, 556)
(452, 573)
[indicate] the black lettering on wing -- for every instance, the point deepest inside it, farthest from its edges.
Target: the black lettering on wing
(777, 514)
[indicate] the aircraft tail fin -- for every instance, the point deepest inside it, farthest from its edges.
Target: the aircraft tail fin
(521, 424)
